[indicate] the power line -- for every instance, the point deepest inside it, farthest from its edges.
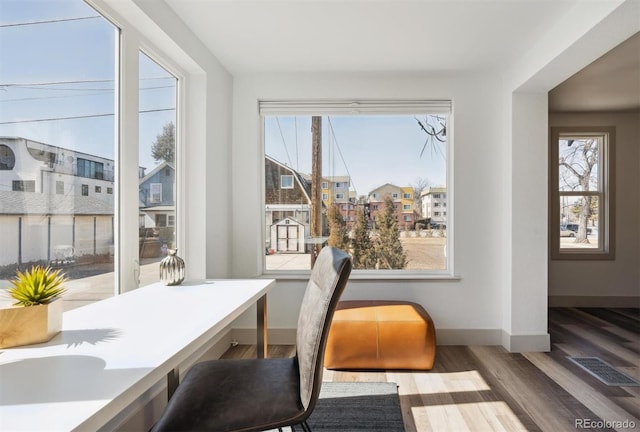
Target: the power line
(80, 117)
(284, 144)
(105, 92)
(26, 23)
(75, 82)
(100, 92)
(333, 133)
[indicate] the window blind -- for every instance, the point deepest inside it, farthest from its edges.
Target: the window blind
(353, 107)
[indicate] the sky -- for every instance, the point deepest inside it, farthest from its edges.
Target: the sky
(372, 150)
(59, 69)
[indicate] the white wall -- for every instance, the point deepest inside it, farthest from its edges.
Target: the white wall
(473, 301)
(607, 282)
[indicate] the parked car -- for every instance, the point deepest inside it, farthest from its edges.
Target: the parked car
(574, 228)
(566, 232)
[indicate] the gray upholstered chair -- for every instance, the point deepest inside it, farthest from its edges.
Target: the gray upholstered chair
(260, 394)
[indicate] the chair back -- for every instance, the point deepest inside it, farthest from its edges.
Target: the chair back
(326, 284)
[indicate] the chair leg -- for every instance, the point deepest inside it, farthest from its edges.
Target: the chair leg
(305, 426)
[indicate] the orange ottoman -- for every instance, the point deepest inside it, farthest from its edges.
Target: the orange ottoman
(380, 335)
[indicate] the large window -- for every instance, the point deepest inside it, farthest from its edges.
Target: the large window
(157, 153)
(582, 193)
(384, 155)
(57, 117)
(61, 91)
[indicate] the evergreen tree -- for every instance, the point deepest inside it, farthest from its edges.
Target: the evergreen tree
(389, 252)
(363, 253)
(337, 229)
(164, 147)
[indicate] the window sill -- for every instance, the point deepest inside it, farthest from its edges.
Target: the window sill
(364, 275)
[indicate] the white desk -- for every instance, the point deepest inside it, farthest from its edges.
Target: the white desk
(111, 352)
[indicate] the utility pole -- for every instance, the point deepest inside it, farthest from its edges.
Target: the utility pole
(316, 187)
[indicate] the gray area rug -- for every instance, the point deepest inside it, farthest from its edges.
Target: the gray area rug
(357, 407)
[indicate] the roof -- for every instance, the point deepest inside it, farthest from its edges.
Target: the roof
(162, 208)
(431, 190)
(23, 203)
(155, 170)
(302, 181)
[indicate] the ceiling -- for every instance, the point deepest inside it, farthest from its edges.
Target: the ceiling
(367, 35)
(254, 36)
(611, 83)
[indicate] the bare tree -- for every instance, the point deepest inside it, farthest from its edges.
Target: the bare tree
(578, 163)
(418, 186)
(435, 127)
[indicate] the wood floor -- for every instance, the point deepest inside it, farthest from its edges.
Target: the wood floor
(483, 388)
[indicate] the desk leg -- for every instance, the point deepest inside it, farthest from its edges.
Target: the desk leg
(173, 379)
(261, 345)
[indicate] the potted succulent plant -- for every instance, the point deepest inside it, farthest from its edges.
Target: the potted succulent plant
(36, 315)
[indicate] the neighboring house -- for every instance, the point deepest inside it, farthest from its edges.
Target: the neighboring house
(157, 197)
(407, 207)
(336, 190)
(287, 197)
(31, 166)
(58, 203)
(402, 201)
(434, 205)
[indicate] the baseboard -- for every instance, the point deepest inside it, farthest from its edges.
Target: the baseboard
(526, 343)
(468, 336)
(444, 336)
(595, 301)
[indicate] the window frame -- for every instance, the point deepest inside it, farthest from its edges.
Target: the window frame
(153, 186)
(605, 194)
(368, 107)
(288, 177)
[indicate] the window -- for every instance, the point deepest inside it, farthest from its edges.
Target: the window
(582, 193)
(155, 192)
(286, 181)
(436, 195)
(66, 117)
(90, 169)
(161, 220)
(411, 131)
(157, 92)
(23, 185)
(7, 158)
(98, 189)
